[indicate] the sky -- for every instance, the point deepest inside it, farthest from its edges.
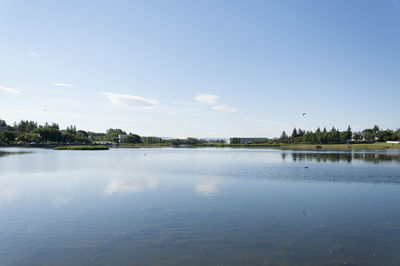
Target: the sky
(201, 68)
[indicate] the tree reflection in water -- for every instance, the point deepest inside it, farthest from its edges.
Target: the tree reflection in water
(373, 157)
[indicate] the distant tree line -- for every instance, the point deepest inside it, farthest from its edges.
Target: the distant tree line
(30, 132)
(333, 136)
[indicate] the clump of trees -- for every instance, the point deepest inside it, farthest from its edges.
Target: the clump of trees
(152, 140)
(31, 132)
(333, 136)
(132, 138)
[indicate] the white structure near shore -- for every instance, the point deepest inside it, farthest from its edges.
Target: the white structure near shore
(121, 138)
(393, 142)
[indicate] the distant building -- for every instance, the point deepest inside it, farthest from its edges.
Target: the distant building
(121, 138)
(102, 142)
(393, 142)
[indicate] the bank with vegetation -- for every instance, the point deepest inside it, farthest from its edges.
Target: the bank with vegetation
(82, 147)
(30, 133)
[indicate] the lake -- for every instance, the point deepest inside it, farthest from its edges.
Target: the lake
(199, 206)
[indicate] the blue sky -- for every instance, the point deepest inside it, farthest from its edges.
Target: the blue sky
(201, 68)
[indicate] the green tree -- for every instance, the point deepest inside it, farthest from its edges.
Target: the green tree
(71, 129)
(176, 142)
(234, 140)
(7, 136)
(112, 134)
(3, 123)
(151, 140)
(82, 137)
(26, 126)
(48, 134)
(68, 137)
(368, 135)
(294, 133)
(132, 138)
(192, 141)
(28, 137)
(349, 133)
(284, 137)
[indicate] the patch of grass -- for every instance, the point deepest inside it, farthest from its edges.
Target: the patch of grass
(82, 147)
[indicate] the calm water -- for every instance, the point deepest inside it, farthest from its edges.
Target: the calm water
(198, 206)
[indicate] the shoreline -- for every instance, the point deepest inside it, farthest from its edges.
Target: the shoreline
(312, 147)
(363, 146)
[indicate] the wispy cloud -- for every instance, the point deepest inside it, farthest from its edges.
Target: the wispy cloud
(63, 84)
(130, 100)
(207, 98)
(34, 54)
(9, 90)
(224, 108)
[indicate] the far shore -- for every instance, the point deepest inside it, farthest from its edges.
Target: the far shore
(360, 146)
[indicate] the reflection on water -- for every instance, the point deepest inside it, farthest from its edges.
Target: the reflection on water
(61, 200)
(8, 194)
(6, 153)
(130, 185)
(374, 157)
(208, 188)
(199, 207)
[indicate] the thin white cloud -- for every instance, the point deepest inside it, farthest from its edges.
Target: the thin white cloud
(224, 108)
(34, 54)
(207, 98)
(130, 100)
(63, 85)
(9, 90)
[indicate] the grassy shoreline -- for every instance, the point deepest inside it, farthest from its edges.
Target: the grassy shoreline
(82, 147)
(361, 146)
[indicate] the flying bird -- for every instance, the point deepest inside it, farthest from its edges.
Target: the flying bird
(303, 114)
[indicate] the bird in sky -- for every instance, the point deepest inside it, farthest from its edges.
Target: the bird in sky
(303, 114)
